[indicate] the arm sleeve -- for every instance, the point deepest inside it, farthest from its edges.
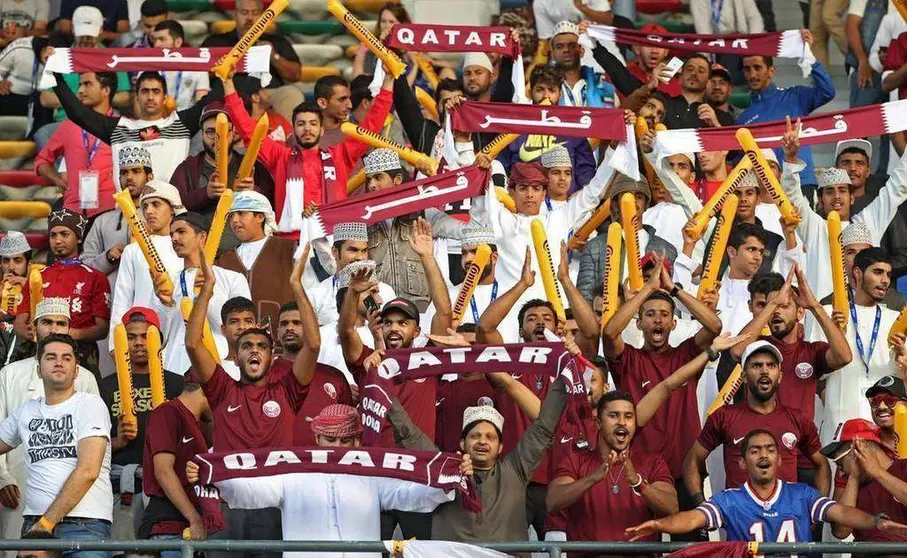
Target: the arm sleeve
(194, 198)
(880, 211)
(420, 130)
(95, 123)
(396, 494)
(93, 420)
(284, 48)
(406, 433)
(714, 518)
(712, 434)
(52, 150)
(822, 91)
(100, 299)
(503, 87)
(809, 440)
(271, 152)
(590, 195)
(812, 227)
(443, 225)
(818, 504)
(252, 493)
(216, 387)
(528, 452)
(352, 150)
(93, 252)
(161, 432)
(623, 80)
(9, 429)
(124, 290)
(5, 477)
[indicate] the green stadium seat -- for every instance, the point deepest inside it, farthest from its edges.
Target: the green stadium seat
(317, 55)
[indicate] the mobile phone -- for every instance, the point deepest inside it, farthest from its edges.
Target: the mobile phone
(671, 68)
(370, 304)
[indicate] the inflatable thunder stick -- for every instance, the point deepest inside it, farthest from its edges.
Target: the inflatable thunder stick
(367, 137)
(836, 254)
(610, 296)
(352, 23)
(143, 239)
(630, 222)
(155, 367)
(225, 66)
(124, 373)
(247, 166)
(713, 263)
(472, 276)
(546, 267)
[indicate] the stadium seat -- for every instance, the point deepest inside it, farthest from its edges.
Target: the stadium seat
(658, 6)
(317, 55)
(8, 193)
(189, 5)
(195, 30)
(22, 179)
(13, 127)
(326, 27)
(314, 73)
(740, 99)
(370, 6)
(452, 12)
(310, 10)
(11, 149)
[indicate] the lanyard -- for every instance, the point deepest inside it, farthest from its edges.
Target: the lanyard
(548, 202)
(472, 301)
(183, 283)
(179, 82)
(856, 333)
(717, 6)
(568, 92)
(70, 261)
(90, 153)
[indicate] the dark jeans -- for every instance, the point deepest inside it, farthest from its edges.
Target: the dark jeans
(74, 529)
(412, 524)
(685, 500)
(535, 507)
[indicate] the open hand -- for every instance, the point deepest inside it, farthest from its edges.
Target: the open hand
(299, 268)
(421, 240)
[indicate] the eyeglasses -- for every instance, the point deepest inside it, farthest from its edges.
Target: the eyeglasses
(889, 400)
(843, 455)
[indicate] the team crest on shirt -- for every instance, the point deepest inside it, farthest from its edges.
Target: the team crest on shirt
(271, 409)
(79, 286)
(789, 439)
(76, 305)
(329, 389)
(804, 370)
(420, 380)
(485, 400)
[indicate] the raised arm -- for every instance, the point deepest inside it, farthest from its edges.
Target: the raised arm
(352, 150)
(612, 333)
(883, 209)
(590, 195)
(190, 116)
(621, 77)
(755, 327)
(420, 130)
(99, 125)
(271, 152)
(361, 283)
(307, 357)
(589, 328)
(528, 452)
(487, 328)
(423, 245)
(838, 353)
(711, 323)
(203, 362)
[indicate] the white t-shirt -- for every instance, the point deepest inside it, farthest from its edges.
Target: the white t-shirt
(50, 435)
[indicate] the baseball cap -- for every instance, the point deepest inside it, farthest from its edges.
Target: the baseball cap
(888, 384)
(211, 110)
(87, 21)
(719, 70)
(401, 304)
(850, 431)
(138, 314)
(860, 144)
(760, 346)
(653, 28)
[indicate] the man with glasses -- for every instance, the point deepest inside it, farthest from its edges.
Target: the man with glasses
(883, 396)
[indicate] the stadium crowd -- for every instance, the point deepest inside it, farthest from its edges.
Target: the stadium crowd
(217, 345)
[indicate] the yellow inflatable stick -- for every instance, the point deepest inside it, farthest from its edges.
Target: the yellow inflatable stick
(727, 393)
(713, 206)
(143, 239)
(411, 156)
(766, 176)
(719, 244)
(124, 373)
(218, 224)
(225, 66)
(352, 23)
(247, 166)
(473, 274)
(610, 297)
(155, 366)
(546, 267)
(630, 222)
(836, 254)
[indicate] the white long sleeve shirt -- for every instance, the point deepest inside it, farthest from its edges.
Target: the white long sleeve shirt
(331, 507)
(134, 286)
(813, 228)
(228, 285)
(324, 299)
(891, 27)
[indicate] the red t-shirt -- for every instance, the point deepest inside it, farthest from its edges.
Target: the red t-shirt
(601, 515)
(874, 499)
(728, 426)
(171, 428)
(417, 398)
(250, 417)
(562, 447)
(704, 189)
(673, 429)
(86, 288)
(453, 398)
(328, 386)
(516, 423)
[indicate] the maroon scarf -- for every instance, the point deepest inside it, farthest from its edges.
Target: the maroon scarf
(432, 468)
(784, 44)
(374, 207)
(543, 359)
(508, 118)
(293, 191)
(416, 37)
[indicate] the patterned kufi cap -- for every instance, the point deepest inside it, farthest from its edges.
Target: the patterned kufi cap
(13, 244)
(69, 219)
(381, 160)
(473, 235)
(557, 157)
(856, 233)
(250, 200)
(769, 155)
(337, 421)
(351, 231)
(483, 412)
(164, 191)
(135, 156)
(565, 26)
(343, 278)
(831, 177)
(750, 180)
(52, 306)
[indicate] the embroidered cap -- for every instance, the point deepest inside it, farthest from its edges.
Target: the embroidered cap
(479, 59)
(474, 234)
(351, 231)
(849, 431)
(750, 180)
(69, 219)
(337, 421)
(52, 306)
(565, 26)
(13, 244)
(860, 144)
(164, 191)
(557, 157)
(381, 160)
(831, 177)
(343, 278)
(856, 233)
(487, 413)
(135, 156)
(250, 200)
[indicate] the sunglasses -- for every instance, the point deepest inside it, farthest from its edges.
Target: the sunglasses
(889, 400)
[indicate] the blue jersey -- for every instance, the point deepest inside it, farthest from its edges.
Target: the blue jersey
(785, 517)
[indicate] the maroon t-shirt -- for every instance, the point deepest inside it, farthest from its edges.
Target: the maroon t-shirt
(728, 426)
(453, 398)
(516, 423)
(328, 386)
(874, 499)
(601, 515)
(417, 397)
(171, 428)
(563, 446)
(250, 417)
(673, 429)
(86, 288)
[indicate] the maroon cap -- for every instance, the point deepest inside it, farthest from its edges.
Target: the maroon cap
(212, 110)
(653, 28)
(141, 314)
(528, 174)
(850, 431)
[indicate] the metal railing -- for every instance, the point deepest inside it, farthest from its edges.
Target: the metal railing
(554, 549)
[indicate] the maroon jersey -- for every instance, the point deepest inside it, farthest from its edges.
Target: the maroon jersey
(328, 386)
(250, 417)
(416, 396)
(171, 428)
(874, 499)
(728, 426)
(516, 423)
(562, 447)
(600, 514)
(86, 288)
(453, 398)
(672, 430)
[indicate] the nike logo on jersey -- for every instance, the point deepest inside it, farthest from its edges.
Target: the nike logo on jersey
(187, 440)
(647, 382)
(536, 144)
(566, 439)
(517, 376)
(231, 408)
(439, 401)
(738, 440)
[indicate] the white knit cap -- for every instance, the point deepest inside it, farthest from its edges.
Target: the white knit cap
(87, 21)
(565, 26)
(860, 144)
(856, 233)
(13, 244)
(343, 278)
(135, 156)
(473, 235)
(356, 230)
(52, 306)
(483, 412)
(381, 160)
(250, 200)
(831, 177)
(769, 155)
(556, 157)
(164, 191)
(478, 59)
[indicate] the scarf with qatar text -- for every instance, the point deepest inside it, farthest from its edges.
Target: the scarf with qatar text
(289, 201)
(401, 365)
(781, 44)
(431, 468)
(256, 62)
(418, 37)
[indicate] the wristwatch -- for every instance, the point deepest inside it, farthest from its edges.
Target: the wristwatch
(713, 356)
(676, 289)
(877, 520)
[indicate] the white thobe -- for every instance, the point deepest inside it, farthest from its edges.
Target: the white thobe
(331, 507)
(248, 252)
(733, 304)
(324, 299)
(668, 220)
(482, 298)
(19, 383)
